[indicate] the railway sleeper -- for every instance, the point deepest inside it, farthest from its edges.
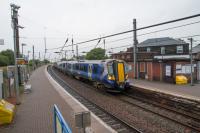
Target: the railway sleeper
(122, 130)
(98, 112)
(194, 124)
(101, 115)
(111, 122)
(106, 118)
(117, 126)
(95, 110)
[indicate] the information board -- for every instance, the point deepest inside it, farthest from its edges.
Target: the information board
(21, 61)
(168, 70)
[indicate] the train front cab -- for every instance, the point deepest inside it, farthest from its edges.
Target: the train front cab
(117, 76)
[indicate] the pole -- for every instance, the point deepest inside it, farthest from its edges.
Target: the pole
(65, 54)
(33, 62)
(17, 46)
(39, 59)
(134, 48)
(22, 50)
(28, 65)
(191, 62)
(45, 47)
(14, 16)
(77, 52)
(104, 46)
(72, 47)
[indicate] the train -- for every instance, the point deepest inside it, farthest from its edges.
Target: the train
(111, 74)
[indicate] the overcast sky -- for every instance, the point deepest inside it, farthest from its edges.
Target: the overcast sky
(88, 19)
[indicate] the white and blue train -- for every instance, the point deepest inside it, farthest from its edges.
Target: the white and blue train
(111, 74)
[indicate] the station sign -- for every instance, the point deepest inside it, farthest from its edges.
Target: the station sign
(1, 41)
(21, 61)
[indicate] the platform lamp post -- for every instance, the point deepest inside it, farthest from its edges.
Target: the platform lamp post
(191, 61)
(28, 63)
(14, 16)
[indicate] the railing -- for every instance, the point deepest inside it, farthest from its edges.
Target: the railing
(60, 126)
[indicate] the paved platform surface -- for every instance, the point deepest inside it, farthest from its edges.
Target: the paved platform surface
(187, 91)
(35, 114)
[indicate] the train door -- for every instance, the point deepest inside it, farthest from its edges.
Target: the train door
(119, 71)
(90, 71)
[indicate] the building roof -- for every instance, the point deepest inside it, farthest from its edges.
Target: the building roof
(161, 42)
(196, 49)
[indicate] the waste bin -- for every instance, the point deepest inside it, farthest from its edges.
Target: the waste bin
(6, 112)
(181, 79)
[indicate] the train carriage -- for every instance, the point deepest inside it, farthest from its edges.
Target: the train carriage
(111, 74)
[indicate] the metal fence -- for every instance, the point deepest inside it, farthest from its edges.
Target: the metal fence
(60, 126)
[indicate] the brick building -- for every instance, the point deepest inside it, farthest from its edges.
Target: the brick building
(196, 54)
(160, 59)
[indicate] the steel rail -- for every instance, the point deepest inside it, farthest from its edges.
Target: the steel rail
(87, 102)
(161, 115)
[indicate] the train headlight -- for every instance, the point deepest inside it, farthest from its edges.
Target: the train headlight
(111, 77)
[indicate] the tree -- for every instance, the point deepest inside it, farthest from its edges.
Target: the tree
(45, 61)
(10, 55)
(63, 59)
(4, 60)
(96, 54)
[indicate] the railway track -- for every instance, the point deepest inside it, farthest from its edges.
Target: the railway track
(183, 105)
(117, 124)
(189, 121)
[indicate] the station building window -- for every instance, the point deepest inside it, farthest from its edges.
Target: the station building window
(179, 49)
(148, 49)
(128, 56)
(162, 50)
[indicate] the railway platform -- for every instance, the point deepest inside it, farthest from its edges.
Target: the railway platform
(35, 113)
(185, 91)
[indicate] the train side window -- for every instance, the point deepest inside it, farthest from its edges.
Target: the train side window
(101, 69)
(110, 69)
(85, 68)
(81, 67)
(77, 66)
(69, 66)
(95, 68)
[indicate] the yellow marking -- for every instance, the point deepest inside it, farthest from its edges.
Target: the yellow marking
(120, 72)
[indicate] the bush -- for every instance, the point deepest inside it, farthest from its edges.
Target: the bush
(10, 54)
(4, 60)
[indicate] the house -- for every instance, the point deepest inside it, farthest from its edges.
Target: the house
(196, 54)
(160, 59)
